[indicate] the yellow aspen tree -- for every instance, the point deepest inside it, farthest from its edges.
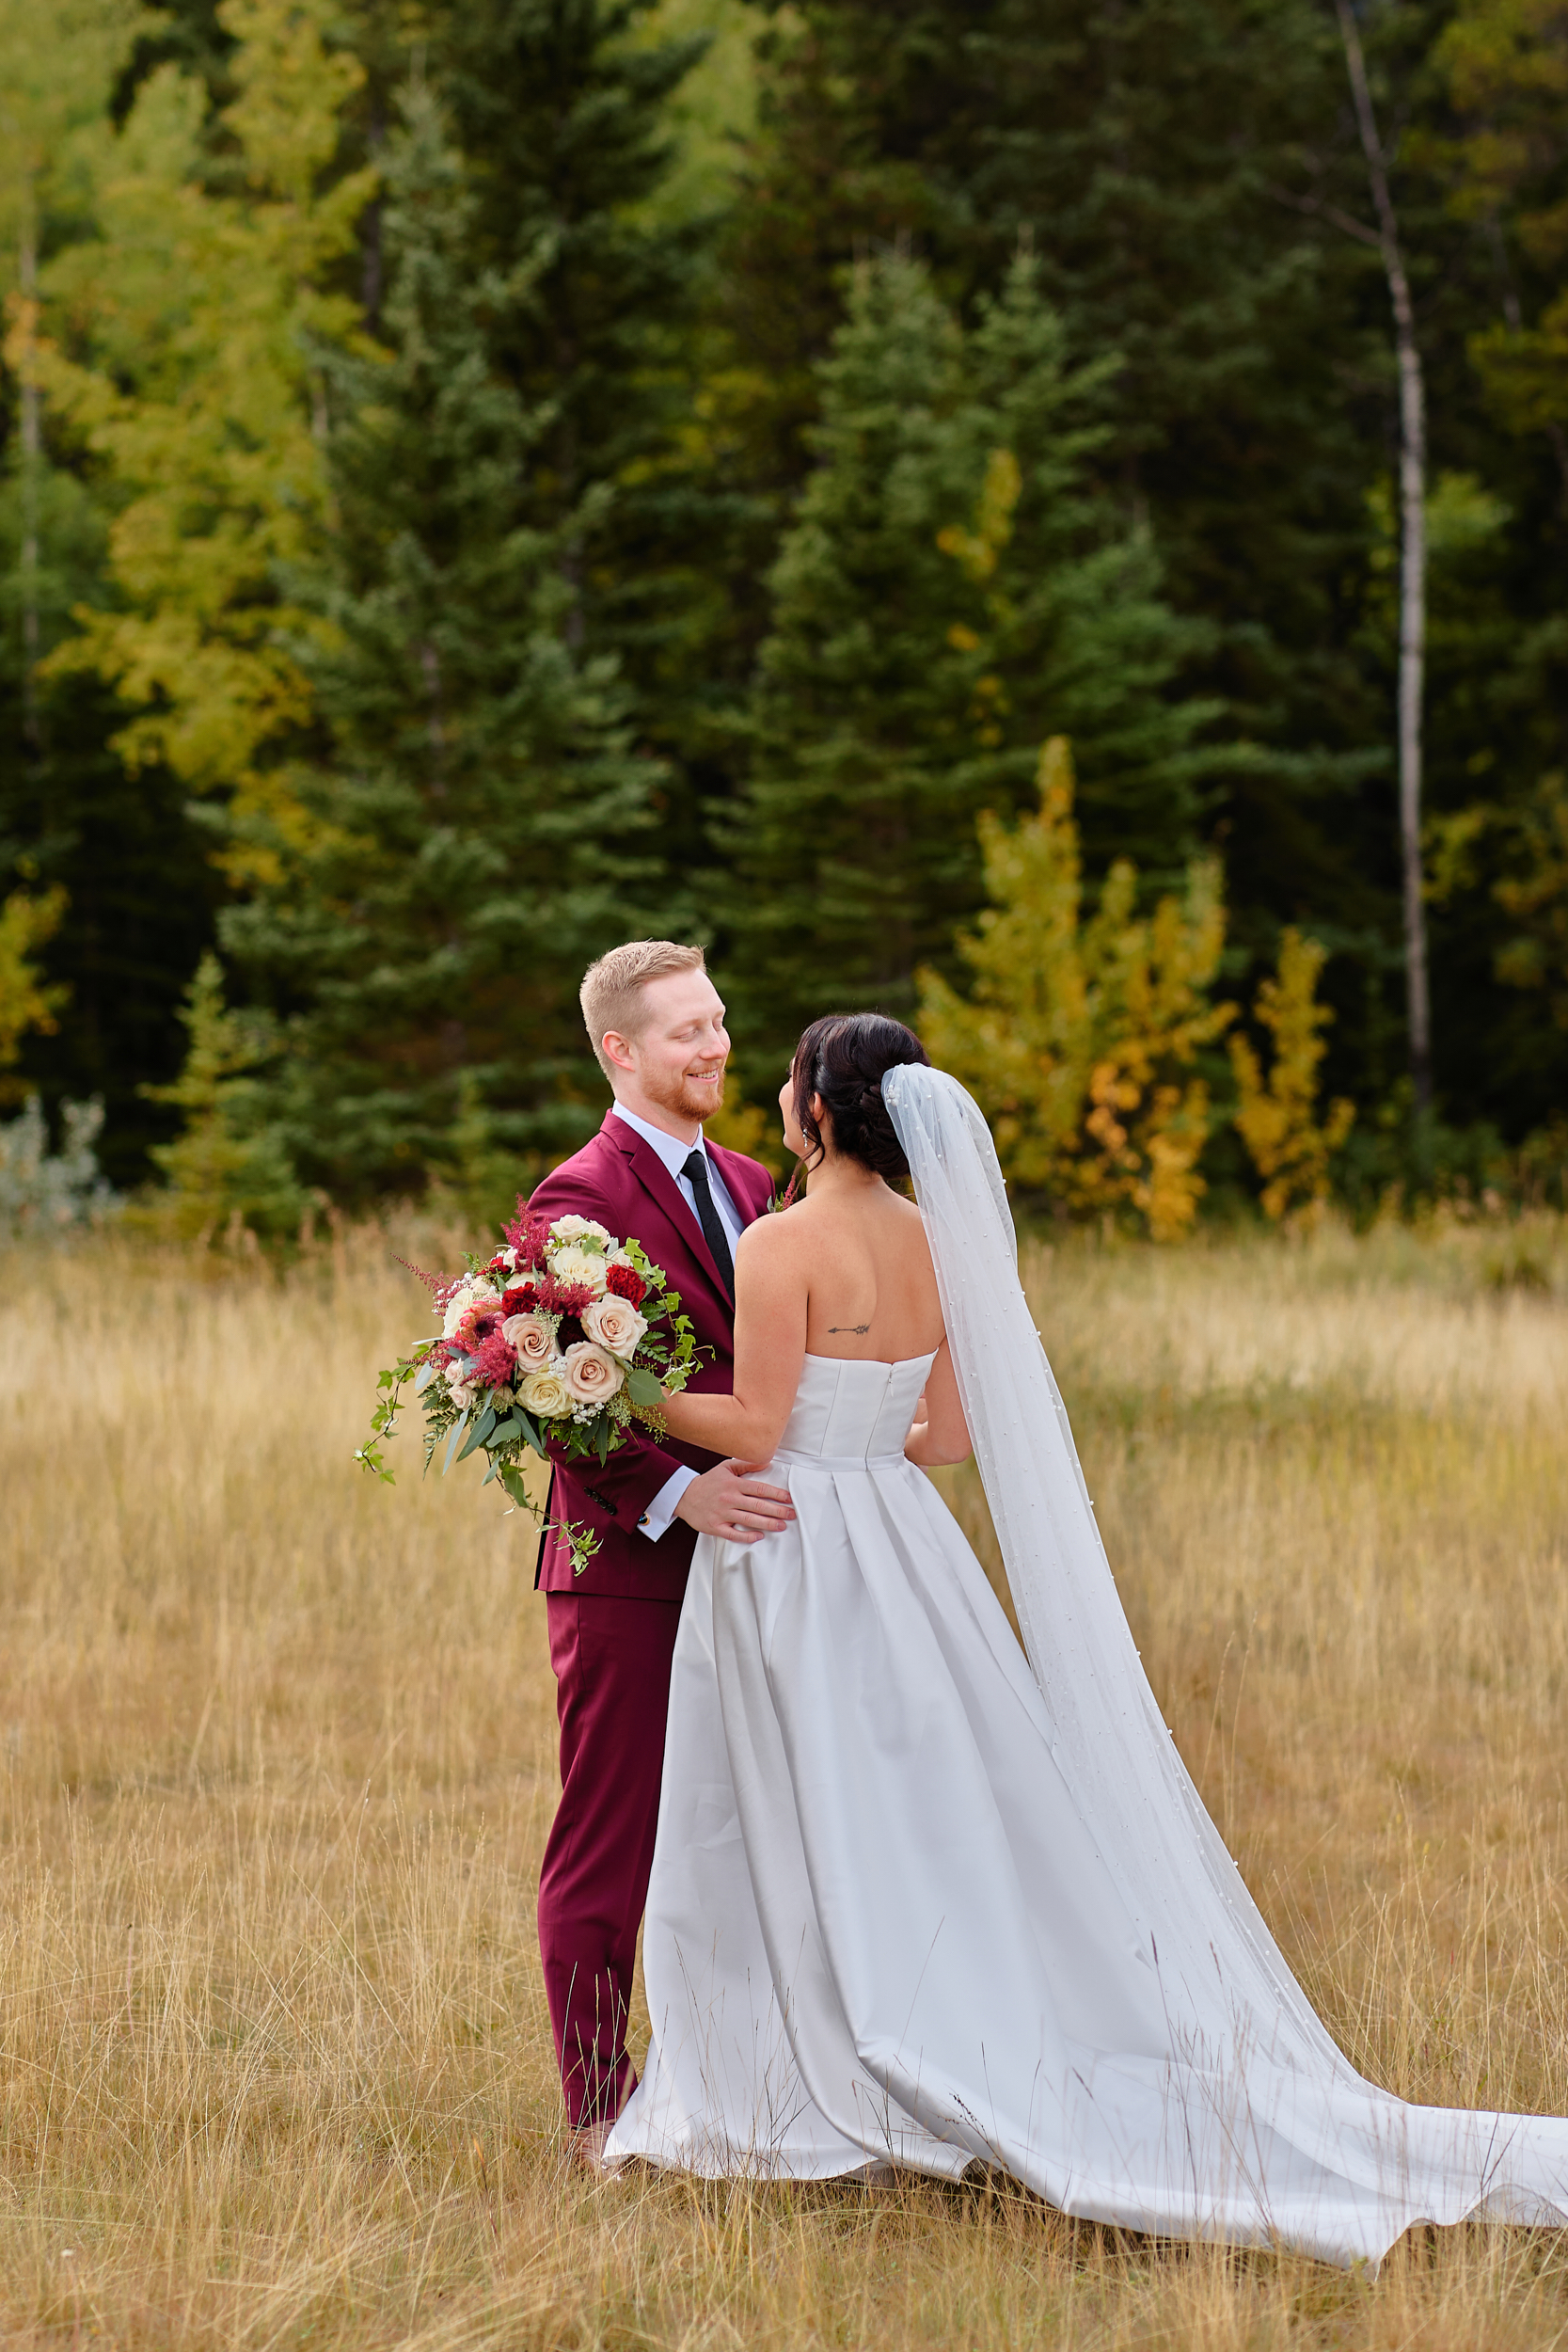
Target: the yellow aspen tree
(181, 350)
(58, 59)
(226, 1166)
(27, 1001)
(1277, 1119)
(1078, 1038)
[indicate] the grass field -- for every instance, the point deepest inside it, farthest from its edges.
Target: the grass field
(279, 1764)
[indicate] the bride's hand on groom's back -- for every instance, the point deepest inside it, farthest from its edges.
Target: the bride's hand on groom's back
(735, 1505)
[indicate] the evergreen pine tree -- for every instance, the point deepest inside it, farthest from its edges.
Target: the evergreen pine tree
(951, 591)
(483, 811)
(562, 112)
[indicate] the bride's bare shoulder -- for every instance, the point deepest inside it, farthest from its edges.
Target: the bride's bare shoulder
(771, 1236)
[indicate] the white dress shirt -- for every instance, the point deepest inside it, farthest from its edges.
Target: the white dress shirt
(656, 1519)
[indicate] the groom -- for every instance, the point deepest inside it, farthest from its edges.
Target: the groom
(657, 1024)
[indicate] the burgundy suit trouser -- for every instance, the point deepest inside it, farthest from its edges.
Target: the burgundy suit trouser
(611, 1659)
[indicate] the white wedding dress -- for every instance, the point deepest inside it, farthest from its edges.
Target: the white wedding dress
(917, 1898)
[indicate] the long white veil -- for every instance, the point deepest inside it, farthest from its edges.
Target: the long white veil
(1314, 2151)
(1222, 1973)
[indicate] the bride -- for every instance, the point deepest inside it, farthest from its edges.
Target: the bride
(917, 1899)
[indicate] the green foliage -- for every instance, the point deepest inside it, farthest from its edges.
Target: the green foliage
(1506, 63)
(713, 112)
(1079, 1038)
(1290, 1147)
(1167, 161)
(1536, 894)
(950, 588)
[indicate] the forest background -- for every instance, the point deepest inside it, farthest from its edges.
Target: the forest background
(909, 493)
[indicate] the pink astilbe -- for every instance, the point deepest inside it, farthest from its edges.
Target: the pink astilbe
(495, 1360)
(526, 1234)
(440, 1290)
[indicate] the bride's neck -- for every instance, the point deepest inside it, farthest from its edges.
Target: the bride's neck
(833, 1174)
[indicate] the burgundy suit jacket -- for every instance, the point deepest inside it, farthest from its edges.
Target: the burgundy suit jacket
(620, 1181)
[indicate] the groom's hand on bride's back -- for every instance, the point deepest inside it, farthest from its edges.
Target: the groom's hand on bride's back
(732, 1504)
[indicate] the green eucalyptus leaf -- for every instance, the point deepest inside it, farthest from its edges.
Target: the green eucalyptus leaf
(452, 1440)
(482, 1429)
(530, 1435)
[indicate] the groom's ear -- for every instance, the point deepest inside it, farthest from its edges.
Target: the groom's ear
(618, 1050)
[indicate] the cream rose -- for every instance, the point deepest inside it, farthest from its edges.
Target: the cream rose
(586, 1268)
(616, 1324)
(590, 1372)
(469, 1295)
(462, 1392)
(532, 1336)
(580, 1228)
(546, 1391)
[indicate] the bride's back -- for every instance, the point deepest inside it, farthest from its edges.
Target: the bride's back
(871, 1291)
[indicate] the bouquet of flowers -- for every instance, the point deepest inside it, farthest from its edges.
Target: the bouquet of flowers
(565, 1335)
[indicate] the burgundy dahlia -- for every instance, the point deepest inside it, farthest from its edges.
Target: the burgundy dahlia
(476, 1327)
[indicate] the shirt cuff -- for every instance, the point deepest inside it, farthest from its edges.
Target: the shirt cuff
(655, 1519)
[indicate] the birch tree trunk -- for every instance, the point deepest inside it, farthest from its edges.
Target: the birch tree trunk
(1413, 564)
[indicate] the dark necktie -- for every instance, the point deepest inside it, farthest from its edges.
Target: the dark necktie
(695, 1172)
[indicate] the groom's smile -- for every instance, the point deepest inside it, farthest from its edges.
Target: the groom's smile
(672, 1071)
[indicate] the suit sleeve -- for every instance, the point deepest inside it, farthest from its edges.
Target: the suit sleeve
(617, 1492)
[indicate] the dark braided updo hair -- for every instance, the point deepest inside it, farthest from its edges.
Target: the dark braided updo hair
(842, 1059)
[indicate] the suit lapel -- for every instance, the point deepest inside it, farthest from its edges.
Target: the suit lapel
(661, 1187)
(740, 1180)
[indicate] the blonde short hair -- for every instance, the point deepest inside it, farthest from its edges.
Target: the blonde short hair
(611, 992)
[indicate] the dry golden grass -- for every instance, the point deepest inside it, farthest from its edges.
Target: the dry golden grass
(279, 1764)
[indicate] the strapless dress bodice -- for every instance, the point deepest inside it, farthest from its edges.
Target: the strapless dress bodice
(849, 1413)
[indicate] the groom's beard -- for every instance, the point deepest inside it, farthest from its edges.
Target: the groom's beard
(685, 1097)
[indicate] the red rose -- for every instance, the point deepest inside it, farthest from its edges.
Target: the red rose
(625, 1282)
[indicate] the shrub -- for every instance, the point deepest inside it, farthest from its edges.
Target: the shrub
(42, 1193)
